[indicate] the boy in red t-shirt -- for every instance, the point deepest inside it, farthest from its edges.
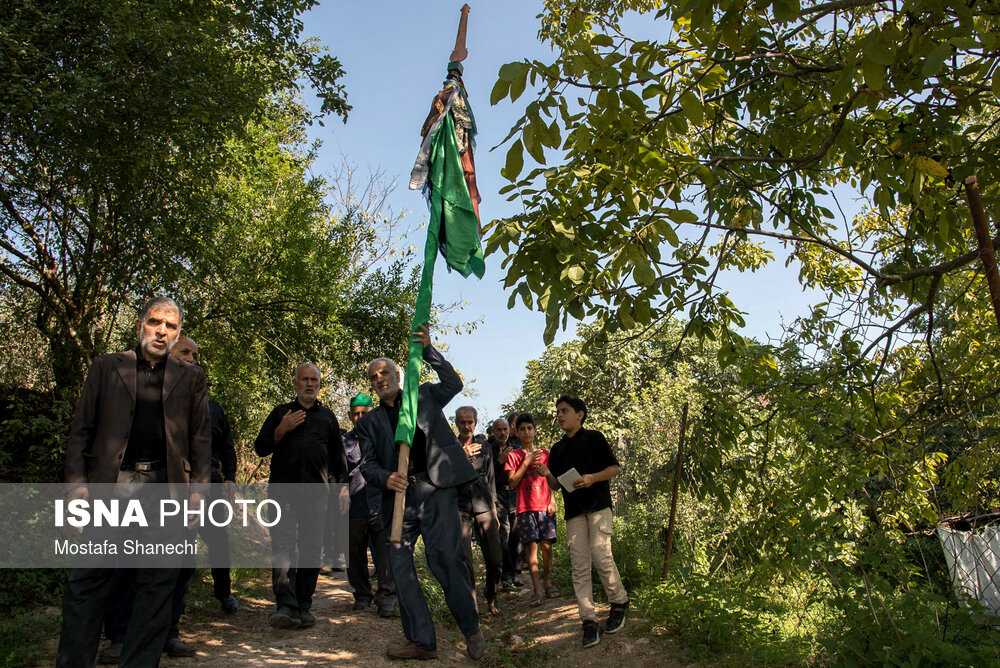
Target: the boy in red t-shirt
(536, 506)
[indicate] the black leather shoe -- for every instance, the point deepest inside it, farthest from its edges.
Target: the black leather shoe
(111, 655)
(412, 650)
(306, 619)
(476, 645)
(229, 605)
(387, 610)
(284, 618)
(176, 648)
(361, 605)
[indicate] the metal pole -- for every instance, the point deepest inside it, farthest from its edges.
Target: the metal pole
(986, 253)
(677, 485)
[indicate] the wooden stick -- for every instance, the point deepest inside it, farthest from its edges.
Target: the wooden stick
(398, 507)
(677, 485)
(986, 253)
(461, 53)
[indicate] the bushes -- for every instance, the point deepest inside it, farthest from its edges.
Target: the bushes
(888, 602)
(739, 622)
(33, 431)
(23, 635)
(917, 627)
(24, 627)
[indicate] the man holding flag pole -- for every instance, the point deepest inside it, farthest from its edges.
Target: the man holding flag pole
(408, 448)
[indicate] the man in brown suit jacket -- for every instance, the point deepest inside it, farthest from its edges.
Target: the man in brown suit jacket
(142, 418)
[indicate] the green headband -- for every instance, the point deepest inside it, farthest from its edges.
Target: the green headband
(361, 399)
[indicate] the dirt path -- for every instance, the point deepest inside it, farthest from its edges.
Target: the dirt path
(520, 635)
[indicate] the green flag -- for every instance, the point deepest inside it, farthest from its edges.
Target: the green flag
(445, 172)
(451, 204)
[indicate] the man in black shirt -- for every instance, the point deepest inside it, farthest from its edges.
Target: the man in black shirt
(437, 466)
(224, 474)
(588, 514)
(477, 505)
(366, 526)
(303, 437)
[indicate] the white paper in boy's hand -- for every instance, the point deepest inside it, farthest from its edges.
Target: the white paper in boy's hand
(567, 479)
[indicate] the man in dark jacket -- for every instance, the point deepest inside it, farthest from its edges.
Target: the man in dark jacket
(366, 526)
(142, 418)
(437, 466)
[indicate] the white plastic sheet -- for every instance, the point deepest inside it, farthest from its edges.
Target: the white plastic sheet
(974, 563)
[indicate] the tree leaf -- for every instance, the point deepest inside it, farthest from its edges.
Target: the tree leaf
(930, 166)
(692, 107)
(510, 71)
(515, 161)
(499, 91)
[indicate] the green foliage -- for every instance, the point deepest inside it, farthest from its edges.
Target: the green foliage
(287, 278)
(909, 630)
(810, 488)
(665, 160)
(22, 636)
(24, 627)
(33, 430)
(189, 175)
(24, 587)
(116, 120)
(719, 619)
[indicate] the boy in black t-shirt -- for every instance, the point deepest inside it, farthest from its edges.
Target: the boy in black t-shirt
(588, 515)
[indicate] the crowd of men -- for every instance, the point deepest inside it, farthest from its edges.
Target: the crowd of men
(144, 417)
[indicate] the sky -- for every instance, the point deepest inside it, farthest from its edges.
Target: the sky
(395, 56)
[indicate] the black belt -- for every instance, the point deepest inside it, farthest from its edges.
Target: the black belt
(420, 477)
(143, 466)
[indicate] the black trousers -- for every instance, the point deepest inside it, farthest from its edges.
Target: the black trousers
(510, 541)
(86, 595)
(217, 541)
(122, 597)
(303, 519)
(487, 532)
(363, 530)
(432, 513)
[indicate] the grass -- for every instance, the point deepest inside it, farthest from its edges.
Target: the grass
(23, 634)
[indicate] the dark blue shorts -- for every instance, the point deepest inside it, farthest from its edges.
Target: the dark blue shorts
(536, 525)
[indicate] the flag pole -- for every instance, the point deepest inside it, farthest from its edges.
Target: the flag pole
(421, 316)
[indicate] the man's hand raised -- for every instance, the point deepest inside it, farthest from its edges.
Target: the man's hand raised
(422, 335)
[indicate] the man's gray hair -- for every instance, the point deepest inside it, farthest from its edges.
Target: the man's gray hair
(296, 373)
(388, 361)
(161, 302)
(463, 409)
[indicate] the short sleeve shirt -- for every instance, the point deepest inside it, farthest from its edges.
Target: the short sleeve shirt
(588, 452)
(533, 492)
